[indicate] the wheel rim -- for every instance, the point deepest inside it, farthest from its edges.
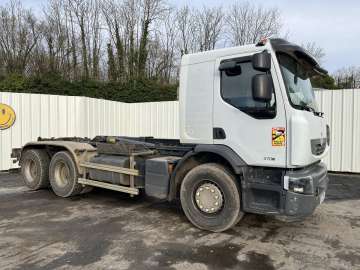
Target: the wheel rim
(61, 174)
(209, 198)
(31, 170)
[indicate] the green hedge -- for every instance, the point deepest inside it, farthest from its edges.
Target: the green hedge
(137, 90)
(325, 82)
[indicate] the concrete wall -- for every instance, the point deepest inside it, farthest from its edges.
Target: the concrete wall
(62, 116)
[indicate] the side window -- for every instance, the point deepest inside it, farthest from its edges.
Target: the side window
(236, 89)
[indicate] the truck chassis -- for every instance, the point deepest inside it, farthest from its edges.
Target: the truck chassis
(214, 185)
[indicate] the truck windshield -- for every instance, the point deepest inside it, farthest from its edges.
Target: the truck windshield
(297, 82)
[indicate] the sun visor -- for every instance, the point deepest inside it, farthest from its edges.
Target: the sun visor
(281, 45)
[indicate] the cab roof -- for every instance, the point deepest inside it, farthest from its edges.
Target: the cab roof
(207, 56)
(276, 44)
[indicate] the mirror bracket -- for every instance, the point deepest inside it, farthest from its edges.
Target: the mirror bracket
(231, 68)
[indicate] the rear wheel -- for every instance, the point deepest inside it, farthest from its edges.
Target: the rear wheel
(35, 169)
(64, 175)
(210, 198)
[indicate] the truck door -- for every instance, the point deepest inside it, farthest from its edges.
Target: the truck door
(255, 130)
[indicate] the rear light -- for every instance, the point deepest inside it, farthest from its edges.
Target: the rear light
(16, 154)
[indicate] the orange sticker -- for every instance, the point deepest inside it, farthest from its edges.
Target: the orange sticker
(278, 136)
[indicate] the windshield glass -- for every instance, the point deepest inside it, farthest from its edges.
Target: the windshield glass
(297, 82)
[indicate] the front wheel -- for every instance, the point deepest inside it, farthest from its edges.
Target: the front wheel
(210, 198)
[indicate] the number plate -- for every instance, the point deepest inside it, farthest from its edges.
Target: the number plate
(322, 197)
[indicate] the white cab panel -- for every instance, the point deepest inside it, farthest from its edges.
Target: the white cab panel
(196, 102)
(304, 127)
(249, 137)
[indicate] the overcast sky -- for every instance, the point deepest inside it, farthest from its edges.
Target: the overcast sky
(332, 24)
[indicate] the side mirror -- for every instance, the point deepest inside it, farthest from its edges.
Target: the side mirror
(261, 61)
(231, 68)
(262, 87)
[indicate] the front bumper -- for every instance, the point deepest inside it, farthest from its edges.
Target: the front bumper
(267, 191)
(302, 205)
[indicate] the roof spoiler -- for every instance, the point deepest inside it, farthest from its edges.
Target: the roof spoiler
(281, 45)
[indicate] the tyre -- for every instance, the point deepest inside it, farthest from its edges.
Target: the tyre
(210, 198)
(64, 175)
(35, 169)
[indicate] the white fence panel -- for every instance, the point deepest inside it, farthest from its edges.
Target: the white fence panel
(59, 116)
(342, 112)
(64, 116)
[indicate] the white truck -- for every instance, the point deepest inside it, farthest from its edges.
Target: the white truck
(251, 141)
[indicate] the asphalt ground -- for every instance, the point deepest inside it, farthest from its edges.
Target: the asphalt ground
(110, 230)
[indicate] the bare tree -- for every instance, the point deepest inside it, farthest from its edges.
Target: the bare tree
(348, 77)
(186, 27)
(81, 11)
(247, 24)
(209, 27)
(95, 38)
(19, 34)
(162, 49)
(55, 36)
(130, 25)
(315, 51)
(131, 14)
(113, 14)
(171, 58)
(151, 10)
(122, 40)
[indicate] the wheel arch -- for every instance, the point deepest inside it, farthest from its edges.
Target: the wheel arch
(201, 154)
(78, 151)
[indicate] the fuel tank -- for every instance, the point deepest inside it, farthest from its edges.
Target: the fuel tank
(116, 178)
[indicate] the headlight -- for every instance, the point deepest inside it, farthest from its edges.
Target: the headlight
(328, 134)
(303, 185)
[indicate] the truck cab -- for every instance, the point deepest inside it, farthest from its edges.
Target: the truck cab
(257, 101)
(252, 140)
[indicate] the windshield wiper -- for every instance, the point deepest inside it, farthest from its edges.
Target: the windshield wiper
(306, 107)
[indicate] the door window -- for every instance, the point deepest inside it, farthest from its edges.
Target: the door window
(236, 90)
